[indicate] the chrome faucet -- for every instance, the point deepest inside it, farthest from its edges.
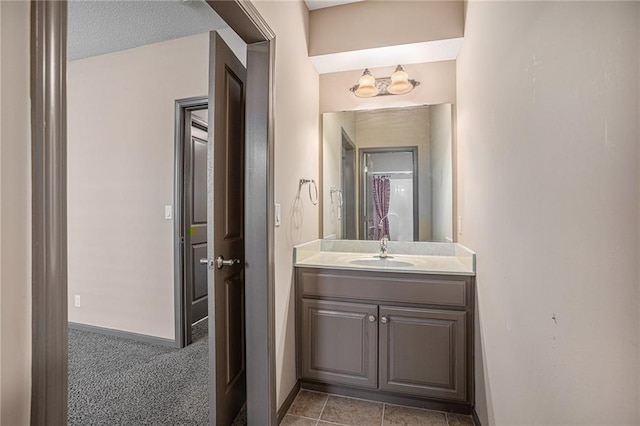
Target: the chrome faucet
(383, 247)
(384, 240)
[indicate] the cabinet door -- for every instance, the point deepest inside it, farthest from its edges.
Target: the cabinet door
(339, 342)
(423, 352)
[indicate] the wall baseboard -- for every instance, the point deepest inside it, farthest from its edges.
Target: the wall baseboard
(153, 340)
(474, 416)
(282, 411)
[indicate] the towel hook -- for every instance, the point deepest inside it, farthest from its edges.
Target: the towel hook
(303, 182)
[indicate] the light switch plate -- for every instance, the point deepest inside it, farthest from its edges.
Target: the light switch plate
(168, 212)
(76, 300)
(277, 215)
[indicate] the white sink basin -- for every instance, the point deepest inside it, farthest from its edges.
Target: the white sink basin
(382, 263)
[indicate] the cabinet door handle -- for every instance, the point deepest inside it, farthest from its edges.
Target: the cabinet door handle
(384, 320)
(372, 318)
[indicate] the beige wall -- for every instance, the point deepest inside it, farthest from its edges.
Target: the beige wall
(120, 177)
(15, 215)
(332, 126)
(548, 141)
(437, 86)
(297, 152)
(371, 24)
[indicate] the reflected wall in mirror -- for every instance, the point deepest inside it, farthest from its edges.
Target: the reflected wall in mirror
(388, 172)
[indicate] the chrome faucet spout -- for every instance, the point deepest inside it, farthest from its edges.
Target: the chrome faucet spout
(383, 247)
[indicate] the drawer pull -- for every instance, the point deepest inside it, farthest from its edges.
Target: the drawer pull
(384, 320)
(372, 318)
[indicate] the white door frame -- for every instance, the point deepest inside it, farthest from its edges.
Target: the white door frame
(49, 205)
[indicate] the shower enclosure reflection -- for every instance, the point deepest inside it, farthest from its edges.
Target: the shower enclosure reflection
(389, 180)
(388, 172)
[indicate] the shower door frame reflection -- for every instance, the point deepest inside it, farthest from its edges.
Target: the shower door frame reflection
(362, 177)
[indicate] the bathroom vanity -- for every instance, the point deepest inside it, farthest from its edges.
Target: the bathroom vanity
(398, 329)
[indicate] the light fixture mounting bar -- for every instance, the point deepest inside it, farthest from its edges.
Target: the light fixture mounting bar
(382, 84)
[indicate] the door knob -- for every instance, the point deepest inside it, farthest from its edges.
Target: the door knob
(372, 318)
(220, 262)
(204, 261)
(384, 320)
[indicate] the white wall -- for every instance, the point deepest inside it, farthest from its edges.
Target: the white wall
(548, 144)
(440, 135)
(297, 152)
(332, 126)
(15, 214)
(120, 177)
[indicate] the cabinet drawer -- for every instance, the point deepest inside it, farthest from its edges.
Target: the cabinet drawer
(387, 287)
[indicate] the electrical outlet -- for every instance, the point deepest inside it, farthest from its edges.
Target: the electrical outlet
(77, 300)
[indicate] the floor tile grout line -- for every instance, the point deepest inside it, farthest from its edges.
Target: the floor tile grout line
(418, 408)
(332, 423)
(384, 404)
(297, 415)
(356, 398)
(322, 411)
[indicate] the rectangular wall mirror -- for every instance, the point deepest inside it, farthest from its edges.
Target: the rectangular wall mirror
(388, 172)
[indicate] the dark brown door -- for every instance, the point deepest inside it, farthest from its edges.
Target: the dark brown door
(195, 214)
(226, 232)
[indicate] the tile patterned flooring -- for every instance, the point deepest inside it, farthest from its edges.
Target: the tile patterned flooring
(321, 409)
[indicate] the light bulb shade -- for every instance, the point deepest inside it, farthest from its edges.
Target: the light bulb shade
(367, 80)
(366, 86)
(399, 82)
(366, 91)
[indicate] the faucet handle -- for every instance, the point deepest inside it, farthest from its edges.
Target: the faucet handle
(383, 243)
(383, 246)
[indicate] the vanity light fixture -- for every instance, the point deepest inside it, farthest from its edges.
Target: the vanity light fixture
(398, 84)
(366, 87)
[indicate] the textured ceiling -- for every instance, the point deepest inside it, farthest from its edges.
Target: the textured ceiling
(99, 27)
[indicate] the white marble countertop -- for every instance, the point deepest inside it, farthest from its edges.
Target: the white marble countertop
(432, 258)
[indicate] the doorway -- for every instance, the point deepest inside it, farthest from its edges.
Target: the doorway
(49, 383)
(190, 222)
(389, 188)
(348, 197)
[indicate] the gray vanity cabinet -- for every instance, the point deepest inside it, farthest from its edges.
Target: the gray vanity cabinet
(340, 342)
(398, 335)
(423, 352)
